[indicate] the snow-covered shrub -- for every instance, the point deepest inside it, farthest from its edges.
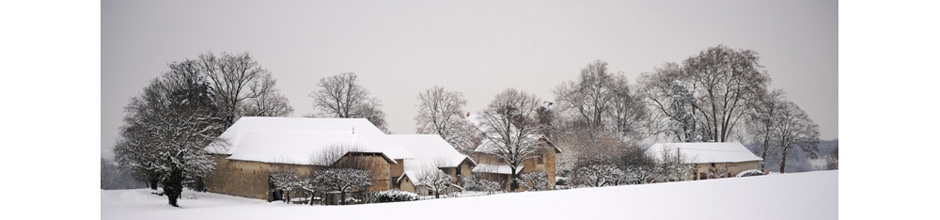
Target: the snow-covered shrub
(395, 196)
(535, 181)
(487, 186)
(600, 175)
(351, 200)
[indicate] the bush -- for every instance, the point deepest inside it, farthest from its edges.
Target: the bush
(395, 196)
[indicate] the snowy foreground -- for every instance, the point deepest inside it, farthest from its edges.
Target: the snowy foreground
(812, 195)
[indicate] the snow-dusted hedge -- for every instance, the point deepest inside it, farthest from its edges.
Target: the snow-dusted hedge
(395, 196)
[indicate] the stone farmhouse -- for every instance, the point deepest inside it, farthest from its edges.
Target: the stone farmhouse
(255, 147)
(428, 153)
(709, 160)
(493, 168)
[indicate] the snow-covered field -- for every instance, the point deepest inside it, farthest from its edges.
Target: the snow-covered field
(812, 195)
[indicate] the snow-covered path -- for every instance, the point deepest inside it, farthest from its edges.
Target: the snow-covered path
(812, 195)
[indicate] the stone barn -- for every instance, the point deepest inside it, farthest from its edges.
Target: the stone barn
(428, 153)
(255, 147)
(709, 160)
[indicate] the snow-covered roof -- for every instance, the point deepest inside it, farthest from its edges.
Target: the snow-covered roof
(411, 175)
(431, 148)
(415, 175)
(711, 152)
(495, 168)
(295, 140)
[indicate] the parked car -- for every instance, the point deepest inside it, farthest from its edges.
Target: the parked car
(751, 172)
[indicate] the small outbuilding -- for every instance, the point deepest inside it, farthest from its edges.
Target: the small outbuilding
(709, 160)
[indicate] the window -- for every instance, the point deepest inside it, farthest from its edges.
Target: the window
(540, 160)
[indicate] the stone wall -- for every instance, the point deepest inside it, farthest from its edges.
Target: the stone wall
(250, 178)
(247, 178)
(732, 168)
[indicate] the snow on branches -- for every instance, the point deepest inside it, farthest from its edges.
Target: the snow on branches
(535, 181)
(343, 180)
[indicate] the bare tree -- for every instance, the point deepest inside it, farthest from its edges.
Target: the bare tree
(601, 100)
(341, 96)
(337, 168)
(589, 98)
(723, 82)
(313, 187)
(231, 75)
(627, 114)
(266, 100)
(441, 112)
(762, 123)
(727, 80)
(436, 180)
(286, 179)
(512, 131)
(672, 102)
(796, 131)
(343, 180)
(372, 111)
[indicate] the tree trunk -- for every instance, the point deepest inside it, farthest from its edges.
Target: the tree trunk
(342, 197)
(783, 162)
(173, 186)
(287, 196)
(200, 185)
(152, 183)
(763, 157)
(312, 195)
(512, 180)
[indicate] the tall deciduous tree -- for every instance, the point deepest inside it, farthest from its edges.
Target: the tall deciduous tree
(266, 99)
(441, 112)
(796, 131)
(763, 121)
(600, 100)
(236, 80)
(722, 83)
(172, 122)
(726, 80)
(590, 97)
(341, 96)
(511, 129)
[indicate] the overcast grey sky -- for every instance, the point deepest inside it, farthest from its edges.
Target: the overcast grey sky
(479, 48)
